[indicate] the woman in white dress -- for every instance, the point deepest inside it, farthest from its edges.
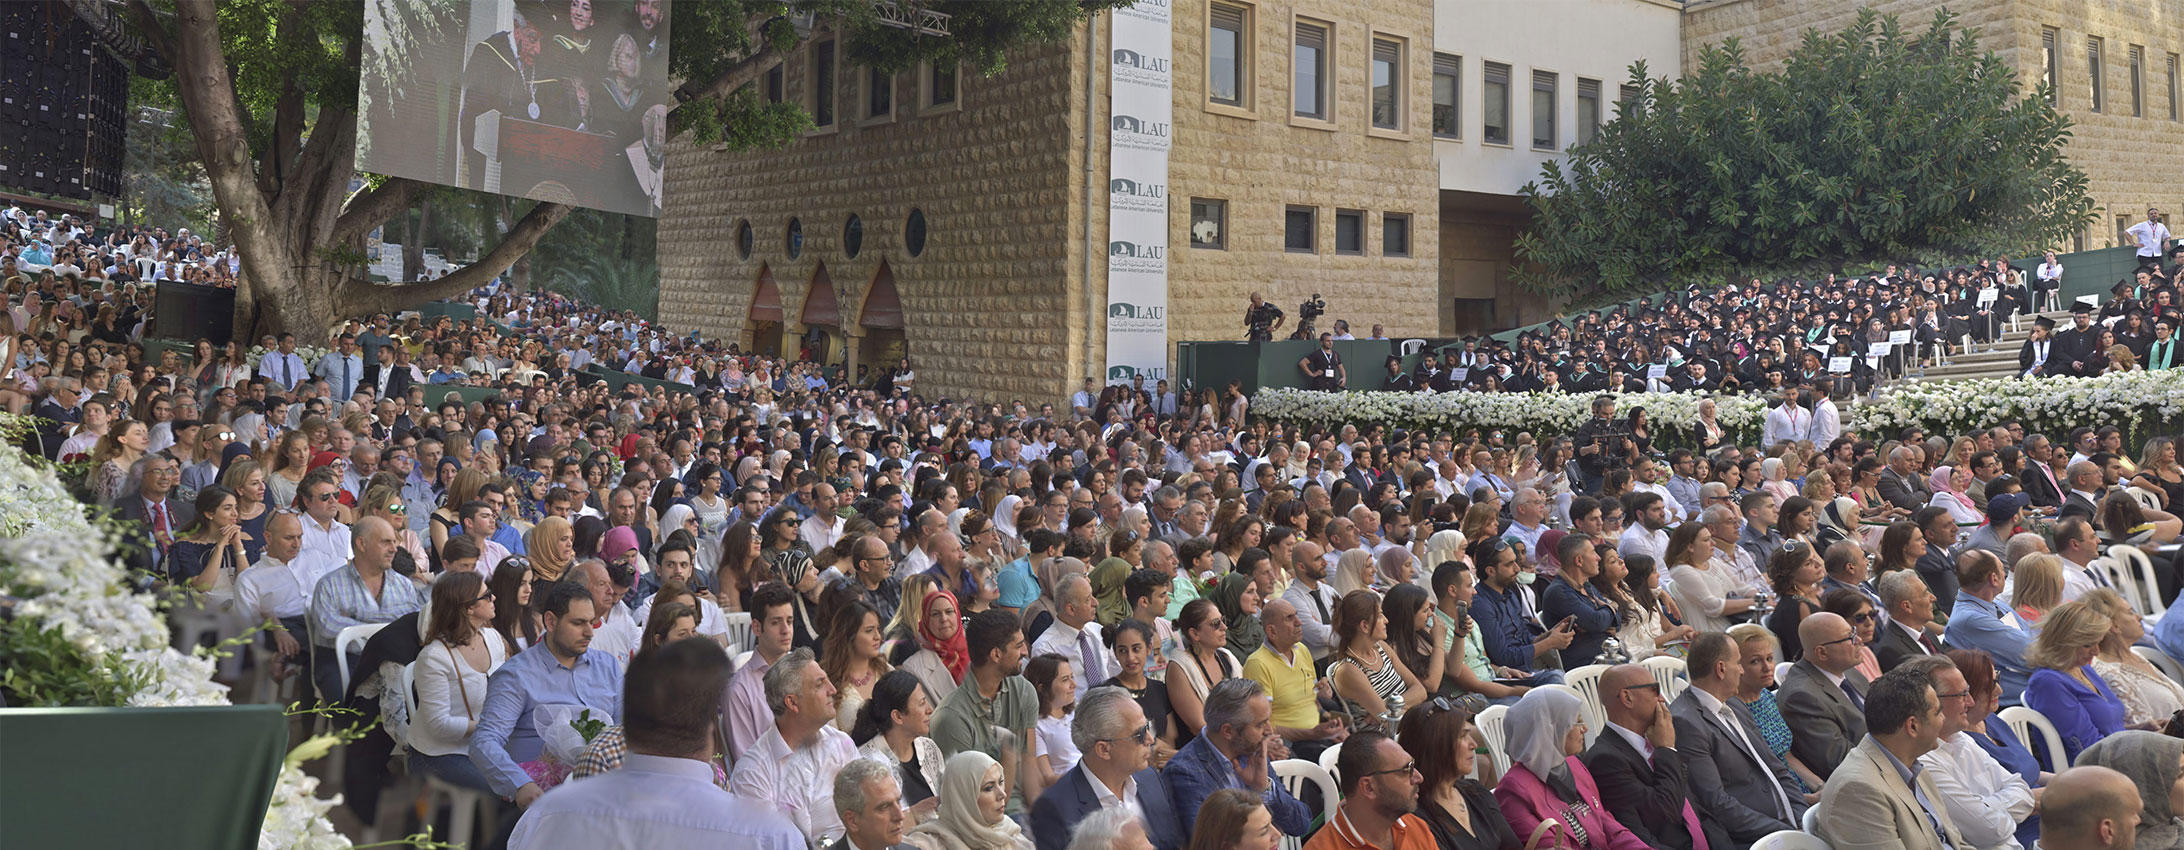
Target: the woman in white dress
(1706, 593)
(2149, 696)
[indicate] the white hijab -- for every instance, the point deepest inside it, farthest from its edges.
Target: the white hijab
(959, 826)
(1536, 726)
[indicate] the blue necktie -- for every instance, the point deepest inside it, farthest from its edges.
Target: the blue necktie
(1856, 701)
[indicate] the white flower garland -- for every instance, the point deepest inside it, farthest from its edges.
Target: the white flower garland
(1543, 414)
(2132, 400)
(63, 569)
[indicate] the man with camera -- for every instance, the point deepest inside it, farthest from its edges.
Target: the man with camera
(1602, 443)
(1323, 368)
(1261, 319)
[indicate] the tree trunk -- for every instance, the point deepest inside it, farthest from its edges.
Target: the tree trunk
(519, 276)
(413, 241)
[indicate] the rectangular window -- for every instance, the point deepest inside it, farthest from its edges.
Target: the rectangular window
(2138, 81)
(1496, 98)
(822, 84)
(1448, 85)
(1387, 84)
(775, 81)
(1300, 230)
(1209, 223)
(2049, 38)
(1225, 55)
(1588, 109)
(879, 94)
(1308, 92)
(1624, 97)
(1543, 109)
(1395, 234)
(2093, 68)
(941, 86)
(1349, 231)
(2123, 231)
(2172, 87)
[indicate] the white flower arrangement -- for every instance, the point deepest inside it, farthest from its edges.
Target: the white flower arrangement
(61, 566)
(1541, 413)
(2134, 401)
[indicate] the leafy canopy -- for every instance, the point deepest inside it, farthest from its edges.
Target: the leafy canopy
(1870, 145)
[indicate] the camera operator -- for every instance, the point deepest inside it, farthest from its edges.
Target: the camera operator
(1262, 319)
(1308, 311)
(1323, 368)
(1602, 443)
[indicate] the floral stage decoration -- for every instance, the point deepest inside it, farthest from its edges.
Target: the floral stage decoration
(1542, 414)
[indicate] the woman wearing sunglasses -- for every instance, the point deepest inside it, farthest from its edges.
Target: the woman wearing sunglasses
(409, 549)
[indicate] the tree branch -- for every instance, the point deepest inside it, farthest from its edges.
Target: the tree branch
(373, 206)
(731, 79)
(154, 32)
(359, 297)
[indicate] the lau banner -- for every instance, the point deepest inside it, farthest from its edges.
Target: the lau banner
(1139, 131)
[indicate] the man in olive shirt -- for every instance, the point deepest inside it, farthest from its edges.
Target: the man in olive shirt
(993, 694)
(1284, 668)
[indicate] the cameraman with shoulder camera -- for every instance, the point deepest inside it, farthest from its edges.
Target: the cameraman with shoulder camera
(1602, 443)
(1323, 368)
(1261, 319)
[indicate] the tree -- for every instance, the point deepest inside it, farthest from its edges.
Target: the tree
(1870, 145)
(268, 89)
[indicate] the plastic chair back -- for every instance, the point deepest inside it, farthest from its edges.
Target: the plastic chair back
(1790, 840)
(355, 636)
(2039, 735)
(1586, 682)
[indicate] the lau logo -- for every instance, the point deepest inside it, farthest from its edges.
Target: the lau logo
(1127, 186)
(1126, 310)
(1132, 249)
(1121, 373)
(1128, 58)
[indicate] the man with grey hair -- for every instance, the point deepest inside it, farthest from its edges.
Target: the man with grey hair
(1073, 634)
(1905, 633)
(792, 766)
(869, 798)
(1116, 744)
(2021, 544)
(1527, 520)
(1110, 829)
(1237, 749)
(1726, 526)
(1166, 502)
(1985, 800)
(617, 633)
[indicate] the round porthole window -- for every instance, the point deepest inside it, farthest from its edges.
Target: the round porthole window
(745, 241)
(795, 242)
(913, 233)
(853, 236)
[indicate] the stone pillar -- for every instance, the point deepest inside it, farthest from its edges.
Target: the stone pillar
(852, 352)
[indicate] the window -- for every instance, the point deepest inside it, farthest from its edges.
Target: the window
(1625, 97)
(1543, 109)
(1300, 230)
(879, 94)
(1387, 84)
(853, 236)
(822, 84)
(1349, 231)
(2172, 87)
(1308, 93)
(2138, 81)
(1395, 234)
(1226, 44)
(2123, 231)
(793, 240)
(913, 232)
(1448, 84)
(775, 81)
(1496, 95)
(1209, 223)
(2049, 37)
(1588, 110)
(745, 240)
(2093, 68)
(940, 85)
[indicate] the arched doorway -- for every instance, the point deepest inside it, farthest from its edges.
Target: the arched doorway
(822, 319)
(764, 328)
(881, 320)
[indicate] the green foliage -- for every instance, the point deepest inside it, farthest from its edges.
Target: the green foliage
(40, 668)
(1871, 145)
(614, 283)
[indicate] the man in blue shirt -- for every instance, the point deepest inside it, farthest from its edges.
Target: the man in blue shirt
(1237, 750)
(1981, 622)
(1513, 638)
(561, 669)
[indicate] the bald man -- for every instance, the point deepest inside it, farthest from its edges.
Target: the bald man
(1641, 776)
(1823, 697)
(361, 592)
(2089, 808)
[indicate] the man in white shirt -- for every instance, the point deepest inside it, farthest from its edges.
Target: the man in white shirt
(278, 587)
(2152, 236)
(1645, 477)
(617, 631)
(1827, 422)
(823, 528)
(667, 721)
(792, 766)
(321, 533)
(1314, 599)
(1074, 635)
(1986, 801)
(1527, 520)
(1786, 421)
(2078, 544)
(1648, 531)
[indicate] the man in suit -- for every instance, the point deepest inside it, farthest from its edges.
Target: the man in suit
(2041, 482)
(1900, 484)
(1736, 781)
(1906, 632)
(156, 518)
(2087, 485)
(62, 407)
(1110, 731)
(2089, 808)
(1934, 567)
(869, 798)
(1232, 753)
(1823, 698)
(1875, 799)
(1640, 772)
(386, 379)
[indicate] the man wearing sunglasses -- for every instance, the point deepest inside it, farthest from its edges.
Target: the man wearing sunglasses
(1116, 742)
(1379, 799)
(1641, 775)
(1823, 696)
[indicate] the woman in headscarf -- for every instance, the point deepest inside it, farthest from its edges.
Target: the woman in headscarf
(1775, 473)
(552, 548)
(679, 517)
(1238, 600)
(974, 800)
(1354, 571)
(1949, 483)
(1444, 546)
(2152, 761)
(1107, 580)
(1839, 522)
(1546, 781)
(943, 654)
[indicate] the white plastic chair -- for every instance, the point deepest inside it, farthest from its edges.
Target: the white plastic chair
(1493, 728)
(1294, 774)
(1668, 670)
(2119, 575)
(2146, 500)
(464, 803)
(2168, 666)
(1812, 820)
(355, 636)
(2134, 562)
(1782, 669)
(1790, 839)
(739, 630)
(1413, 346)
(744, 657)
(1327, 759)
(1586, 682)
(2025, 721)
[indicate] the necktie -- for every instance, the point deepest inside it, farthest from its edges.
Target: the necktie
(159, 517)
(1927, 640)
(2097, 578)
(1094, 671)
(1782, 800)
(1856, 701)
(288, 378)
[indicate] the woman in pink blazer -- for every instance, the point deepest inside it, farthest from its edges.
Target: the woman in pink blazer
(1546, 780)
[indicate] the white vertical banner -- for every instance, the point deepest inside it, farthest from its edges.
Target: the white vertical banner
(1140, 112)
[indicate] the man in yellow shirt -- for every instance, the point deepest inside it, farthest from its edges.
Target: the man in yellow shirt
(1283, 666)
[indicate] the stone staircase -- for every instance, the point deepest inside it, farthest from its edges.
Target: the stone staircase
(2000, 361)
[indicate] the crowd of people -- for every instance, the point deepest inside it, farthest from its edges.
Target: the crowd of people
(784, 610)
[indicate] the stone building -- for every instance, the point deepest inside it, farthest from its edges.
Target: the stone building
(2113, 63)
(962, 220)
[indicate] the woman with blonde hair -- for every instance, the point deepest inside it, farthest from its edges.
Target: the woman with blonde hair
(1757, 651)
(248, 481)
(552, 547)
(2064, 687)
(2036, 587)
(2149, 696)
(1480, 522)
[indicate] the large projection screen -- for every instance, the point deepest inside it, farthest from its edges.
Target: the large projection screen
(557, 100)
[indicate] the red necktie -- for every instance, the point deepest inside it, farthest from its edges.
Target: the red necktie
(159, 517)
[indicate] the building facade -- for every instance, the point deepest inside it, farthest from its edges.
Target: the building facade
(2113, 64)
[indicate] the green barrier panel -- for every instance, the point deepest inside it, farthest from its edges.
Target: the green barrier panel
(452, 309)
(435, 394)
(617, 379)
(138, 777)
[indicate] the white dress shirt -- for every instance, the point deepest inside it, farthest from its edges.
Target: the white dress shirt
(619, 635)
(2151, 235)
(274, 590)
(333, 542)
(653, 803)
(1827, 424)
(820, 533)
(1637, 540)
(1071, 643)
(796, 783)
(2077, 580)
(1785, 422)
(1985, 800)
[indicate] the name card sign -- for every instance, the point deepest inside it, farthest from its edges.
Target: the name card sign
(1839, 365)
(1656, 371)
(1987, 296)
(1459, 374)
(1899, 337)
